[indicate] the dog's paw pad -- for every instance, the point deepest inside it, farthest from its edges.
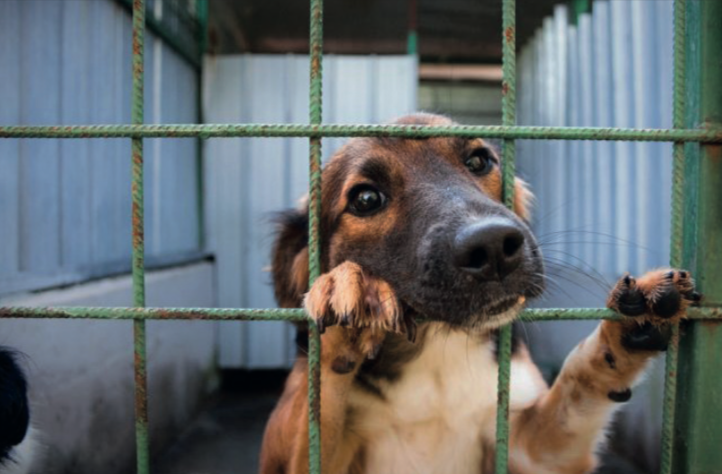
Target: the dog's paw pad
(660, 295)
(626, 298)
(647, 337)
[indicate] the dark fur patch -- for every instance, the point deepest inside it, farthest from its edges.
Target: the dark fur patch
(14, 409)
(291, 239)
(395, 353)
(611, 361)
(620, 397)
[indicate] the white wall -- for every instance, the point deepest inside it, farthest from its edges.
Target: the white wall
(81, 371)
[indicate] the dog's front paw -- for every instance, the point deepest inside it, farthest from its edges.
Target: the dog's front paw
(658, 297)
(348, 297)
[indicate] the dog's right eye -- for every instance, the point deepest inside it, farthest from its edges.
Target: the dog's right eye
(365, 200)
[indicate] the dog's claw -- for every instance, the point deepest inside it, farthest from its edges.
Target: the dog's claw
(374, 352)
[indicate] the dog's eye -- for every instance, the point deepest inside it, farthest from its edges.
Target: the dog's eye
(480, 162)
(365, 200)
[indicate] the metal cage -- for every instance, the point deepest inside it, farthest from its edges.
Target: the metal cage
(689, 445)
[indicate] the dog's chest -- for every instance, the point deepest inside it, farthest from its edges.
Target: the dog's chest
(432, 418)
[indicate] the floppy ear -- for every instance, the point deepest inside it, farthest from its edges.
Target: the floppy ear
(523, 199)
(290, 258)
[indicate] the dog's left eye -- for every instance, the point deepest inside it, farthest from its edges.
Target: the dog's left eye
(480, 162)
(365, 200)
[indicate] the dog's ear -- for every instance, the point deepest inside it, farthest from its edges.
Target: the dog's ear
(523, 199)
(290, 258)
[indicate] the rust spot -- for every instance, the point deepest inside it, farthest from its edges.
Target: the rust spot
(504, 88)
(710, 326)
(509, 34)
(714, 154)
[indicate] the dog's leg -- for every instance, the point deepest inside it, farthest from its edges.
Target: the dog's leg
(365, 308)
(561, 432)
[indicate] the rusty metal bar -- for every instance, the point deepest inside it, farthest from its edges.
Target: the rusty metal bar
(698, 408)
(508, 89)
(314, 234)
(138, 267)
(677, 231)
(712, 135)
(226, 314)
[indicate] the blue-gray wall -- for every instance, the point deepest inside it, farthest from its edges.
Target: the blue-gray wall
(65, 204)
(603, 208)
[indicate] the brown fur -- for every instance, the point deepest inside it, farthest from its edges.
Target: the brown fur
(369, 329)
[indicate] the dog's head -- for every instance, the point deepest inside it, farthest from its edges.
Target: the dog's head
(426, 216)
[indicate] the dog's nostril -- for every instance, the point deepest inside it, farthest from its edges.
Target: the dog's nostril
(478, 258)
(489, 249)
(512, 244)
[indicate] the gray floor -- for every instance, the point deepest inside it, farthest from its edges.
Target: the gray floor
(224, 439)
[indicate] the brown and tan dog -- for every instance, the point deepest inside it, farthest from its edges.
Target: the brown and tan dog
(415, 229)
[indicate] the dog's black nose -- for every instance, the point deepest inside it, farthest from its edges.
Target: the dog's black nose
(490, 249)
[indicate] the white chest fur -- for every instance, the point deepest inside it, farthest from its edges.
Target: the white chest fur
(434, 417)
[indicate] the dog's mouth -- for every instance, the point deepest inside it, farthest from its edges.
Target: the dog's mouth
(497, 314)
(503, 305)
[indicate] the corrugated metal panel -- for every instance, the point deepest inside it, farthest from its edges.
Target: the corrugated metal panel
(610, 72)
(603, 207)
(65, 204)
(250, 179)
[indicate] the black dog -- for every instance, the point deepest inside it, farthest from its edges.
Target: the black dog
(14, 409)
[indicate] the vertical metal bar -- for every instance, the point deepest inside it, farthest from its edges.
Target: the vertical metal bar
(509, 155)
(677, 231)
(141, 395)
(314, 237)
(412, 39)
(699, 405)
(202, 22)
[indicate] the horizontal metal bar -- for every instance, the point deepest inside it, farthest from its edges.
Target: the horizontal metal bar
(404, 131)
(211, 314)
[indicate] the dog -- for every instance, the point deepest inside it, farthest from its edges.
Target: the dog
(422, 263)
(17, 440)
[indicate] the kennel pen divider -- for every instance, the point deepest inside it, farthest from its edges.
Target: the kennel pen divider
(690, 443)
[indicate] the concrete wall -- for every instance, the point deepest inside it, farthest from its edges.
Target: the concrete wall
(81, 372)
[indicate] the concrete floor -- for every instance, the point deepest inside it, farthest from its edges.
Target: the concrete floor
(224, 439)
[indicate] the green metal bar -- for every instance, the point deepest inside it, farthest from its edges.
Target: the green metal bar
(138, 269)
(202, 20)
(314, 235)
(677, 233)
(225, 314)
(171, 39)
(577, 8)
(508, 106)
(712, 135)
(412, 37)
(699, 402)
